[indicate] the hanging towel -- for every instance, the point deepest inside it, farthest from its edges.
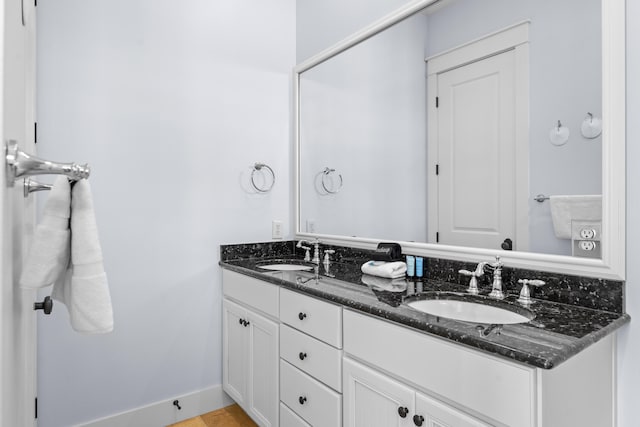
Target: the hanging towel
(48, 257)
(390, 270)
(84, 288)
(565, 209)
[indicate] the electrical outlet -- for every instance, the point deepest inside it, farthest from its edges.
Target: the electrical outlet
(276, 229)
(588, 233)
(587, 245)
(311, 226)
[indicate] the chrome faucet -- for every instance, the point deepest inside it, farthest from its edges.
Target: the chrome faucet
(316, 250)
(496, 289)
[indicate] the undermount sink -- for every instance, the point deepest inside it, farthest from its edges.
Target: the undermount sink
(286, 266)
(471, 311)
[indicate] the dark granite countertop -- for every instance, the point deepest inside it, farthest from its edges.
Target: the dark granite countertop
(557, 332)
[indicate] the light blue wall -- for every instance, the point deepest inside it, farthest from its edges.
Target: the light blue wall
(170, 102)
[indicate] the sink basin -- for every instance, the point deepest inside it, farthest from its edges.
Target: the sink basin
(470, 311)
(286, 266)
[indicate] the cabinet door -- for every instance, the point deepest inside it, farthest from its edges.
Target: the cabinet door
(263, 371)
(372, 399)
(234, 351)
(432, 413)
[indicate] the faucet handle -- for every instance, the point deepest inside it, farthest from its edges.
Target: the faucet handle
(525, 293)
(307, 256)
(327, 253)
(473, 283)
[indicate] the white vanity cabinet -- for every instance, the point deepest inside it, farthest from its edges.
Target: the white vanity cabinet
(373, 399)
(250, 346)
(310, 360)
(450, 385)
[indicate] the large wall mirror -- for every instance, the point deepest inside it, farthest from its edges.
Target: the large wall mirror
(467, 129)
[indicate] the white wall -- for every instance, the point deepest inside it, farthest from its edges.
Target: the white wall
(320, 24)
(170, 103)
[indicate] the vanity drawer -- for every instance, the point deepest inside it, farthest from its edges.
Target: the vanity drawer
(314, 317)
(288, 418)
(255, 293)
(314, 357)
(502, 390)
(316, 403)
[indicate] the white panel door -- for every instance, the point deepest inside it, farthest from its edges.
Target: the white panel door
(17, 317)
(372, 399)
(263, 354)
(234, 351)
(476, 153)
(432, 413)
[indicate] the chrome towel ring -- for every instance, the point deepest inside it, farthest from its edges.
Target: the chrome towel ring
(266, 184)
(327, 183)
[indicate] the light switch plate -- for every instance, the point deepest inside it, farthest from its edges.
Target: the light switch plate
(276, 229)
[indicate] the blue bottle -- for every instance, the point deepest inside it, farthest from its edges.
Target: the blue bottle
(419, 266)
(411, 265)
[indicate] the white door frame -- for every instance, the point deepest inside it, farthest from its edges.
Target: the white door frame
(514, 37)
(17, 318)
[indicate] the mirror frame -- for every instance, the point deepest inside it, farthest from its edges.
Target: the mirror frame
(612, 264)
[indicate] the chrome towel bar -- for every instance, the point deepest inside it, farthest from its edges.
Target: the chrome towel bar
(21, 164)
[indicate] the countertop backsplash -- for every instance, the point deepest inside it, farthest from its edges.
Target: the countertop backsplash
(588, 292)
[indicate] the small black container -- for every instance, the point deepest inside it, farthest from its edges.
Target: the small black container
(388, 252)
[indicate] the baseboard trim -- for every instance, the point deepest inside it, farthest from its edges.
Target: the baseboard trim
(164, 412)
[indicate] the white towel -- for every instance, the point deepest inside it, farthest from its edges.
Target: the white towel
(390, 270)
(382, 284)
(48, 257)
(84, 289)
(565, 209)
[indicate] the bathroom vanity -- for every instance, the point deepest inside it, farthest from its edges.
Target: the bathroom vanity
(302, 348)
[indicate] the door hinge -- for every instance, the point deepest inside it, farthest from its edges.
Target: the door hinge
(35, 132)
(437, 169)
(437, 102)
(437, 237)
(36, 408)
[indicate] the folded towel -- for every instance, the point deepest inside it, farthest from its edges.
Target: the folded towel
(565, 209)
(84, 289)
(48, 257)
(390, 270)
(382, 284)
